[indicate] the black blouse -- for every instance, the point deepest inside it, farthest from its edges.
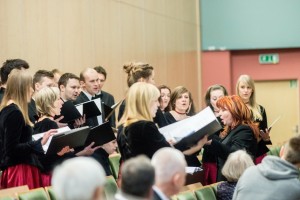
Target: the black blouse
(16, 144)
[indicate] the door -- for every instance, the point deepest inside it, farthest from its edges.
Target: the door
(280, 98)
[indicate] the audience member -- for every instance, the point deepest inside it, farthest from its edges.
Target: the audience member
(209, 160)
(235, 165)
(5, 70)
(164, 99)
(137, 179)
(170, 176)
(245, 88)
(18, 152)
(275, 178)
(106, 97)
(79, 178)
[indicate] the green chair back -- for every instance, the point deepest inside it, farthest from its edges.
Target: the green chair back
(110, 187)
(206, 193)
(114, 162)
(51, 193)
(34, 194)
(274, 151)
(186, 196)
(7, 198)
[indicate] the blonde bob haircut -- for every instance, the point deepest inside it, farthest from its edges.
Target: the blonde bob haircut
(138, 100)
(44, 100)
(18, 88)
(235, 165)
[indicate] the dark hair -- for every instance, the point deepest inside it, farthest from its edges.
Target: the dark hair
(9, 65)
(137, 70)
(213, 88)
(176, 93)
(292, 150)
(101, 70)
(55, 71)
(41, 74)
(168, 108)
(63, 80)
(137, 176)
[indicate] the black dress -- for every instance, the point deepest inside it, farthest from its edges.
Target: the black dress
(50, 161)
(240, 138)
(103, 158)
(191, 160)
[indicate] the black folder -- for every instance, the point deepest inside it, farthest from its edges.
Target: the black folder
(109, 111)
(73, 138)
(100, 134)
(70, 112)
(90, 108)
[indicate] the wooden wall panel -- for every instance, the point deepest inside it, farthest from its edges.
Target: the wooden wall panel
(74, 34)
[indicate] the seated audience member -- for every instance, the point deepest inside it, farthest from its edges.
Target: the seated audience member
(106, 97)
(275, 178)
(79, 178)
(5, 70)
(169, 165)
(137, 179)
(164, 99)
(235, 165)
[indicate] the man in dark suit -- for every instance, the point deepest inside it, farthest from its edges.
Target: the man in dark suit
(106, 97)
(89, 82)
(5, 70)
(41, 79)
(169, 165)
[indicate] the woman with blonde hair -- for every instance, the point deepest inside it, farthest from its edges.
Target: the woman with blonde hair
(138, 134)
(18, 152)
(245, 88)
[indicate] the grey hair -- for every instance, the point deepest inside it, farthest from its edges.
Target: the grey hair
(78, 179)
(236, 163)
(167, 162)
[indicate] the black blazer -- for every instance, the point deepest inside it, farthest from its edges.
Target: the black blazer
(109, 100)
(241, 137)
(90, 121)
(156, 196)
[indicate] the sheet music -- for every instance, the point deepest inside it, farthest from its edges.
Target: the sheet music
(183, 128)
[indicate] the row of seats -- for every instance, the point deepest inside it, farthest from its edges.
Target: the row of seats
(23, 192)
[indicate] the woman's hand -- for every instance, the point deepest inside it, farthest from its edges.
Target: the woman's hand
(265, 135)
(47, 135)
(87, 151)
(60, 125)
(198, 146)
(79, 122)
(65, 150)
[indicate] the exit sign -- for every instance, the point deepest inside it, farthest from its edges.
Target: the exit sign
(268, 58)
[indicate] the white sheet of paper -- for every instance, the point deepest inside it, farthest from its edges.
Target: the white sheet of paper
(80, 108)
(189, 125)
(192, 170)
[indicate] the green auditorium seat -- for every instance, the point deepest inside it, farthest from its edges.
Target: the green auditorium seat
(205, 193)
(114, 161)
(110, 187)
(34, 194)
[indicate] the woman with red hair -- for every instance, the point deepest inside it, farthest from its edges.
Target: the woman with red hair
(240, 132)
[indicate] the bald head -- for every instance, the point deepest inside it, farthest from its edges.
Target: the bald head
(89, 81)
(167, 162)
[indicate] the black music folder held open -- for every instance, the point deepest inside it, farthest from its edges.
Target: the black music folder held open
(69, 111)
(89, 108)
(190, 130)
(72, 138)
(109, 111)
(100, 134)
